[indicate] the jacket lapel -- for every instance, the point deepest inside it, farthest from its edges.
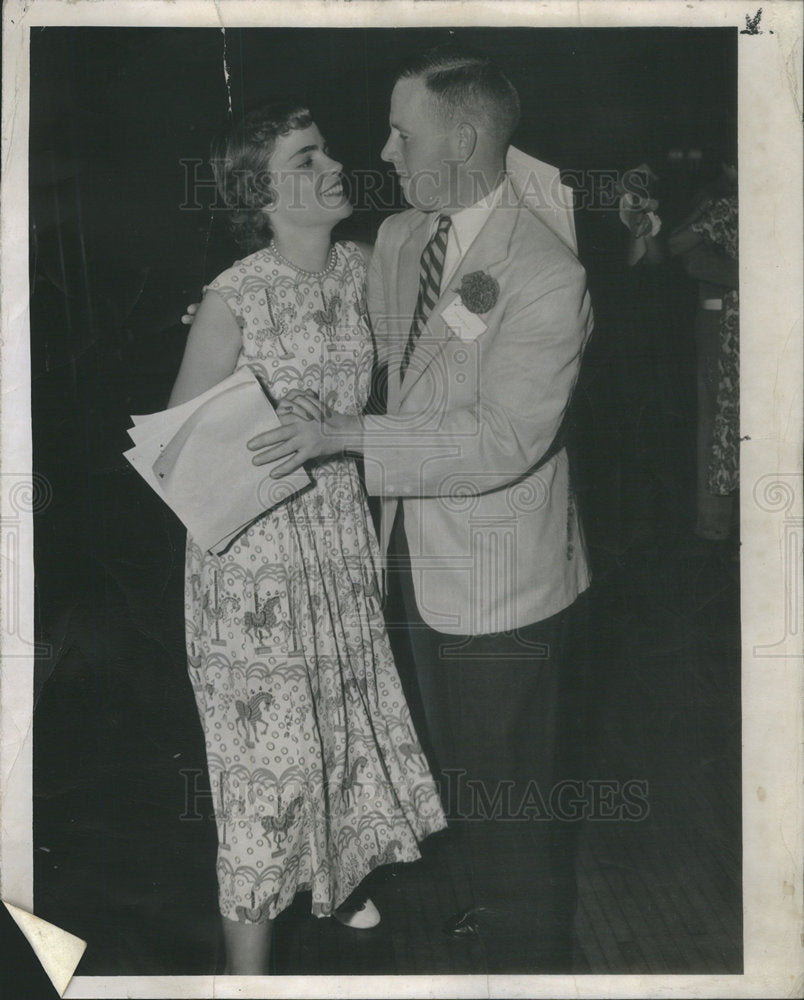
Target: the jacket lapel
(489, 250)
(405, 285)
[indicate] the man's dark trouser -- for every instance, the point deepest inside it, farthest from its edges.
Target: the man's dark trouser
(500, 725)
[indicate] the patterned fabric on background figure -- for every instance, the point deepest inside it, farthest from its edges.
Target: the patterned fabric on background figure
(718, 226)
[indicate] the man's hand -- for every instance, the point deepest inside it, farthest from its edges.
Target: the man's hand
(189, 316)
(305, 439)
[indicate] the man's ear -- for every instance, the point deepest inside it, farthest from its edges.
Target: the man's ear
(466, 138)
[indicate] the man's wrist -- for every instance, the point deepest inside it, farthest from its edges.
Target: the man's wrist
(347, 432)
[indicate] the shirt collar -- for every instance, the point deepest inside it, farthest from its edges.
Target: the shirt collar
(467, 223)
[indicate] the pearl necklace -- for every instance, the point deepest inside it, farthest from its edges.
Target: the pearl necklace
(332, 260)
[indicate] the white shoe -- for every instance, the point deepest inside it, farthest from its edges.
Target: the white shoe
(360, 918)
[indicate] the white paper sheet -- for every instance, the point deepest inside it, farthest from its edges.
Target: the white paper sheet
(539, 184)
(195, 457)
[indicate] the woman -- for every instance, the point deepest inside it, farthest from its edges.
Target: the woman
(315, 769)
(707, 243)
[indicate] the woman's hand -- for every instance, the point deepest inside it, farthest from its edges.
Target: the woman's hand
(305, 439)
(304, 404)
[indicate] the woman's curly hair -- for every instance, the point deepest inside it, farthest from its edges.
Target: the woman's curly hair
(240, 157)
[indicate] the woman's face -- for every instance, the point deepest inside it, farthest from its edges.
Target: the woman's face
(307, 183)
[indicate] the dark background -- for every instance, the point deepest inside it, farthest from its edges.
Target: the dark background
(115, 259)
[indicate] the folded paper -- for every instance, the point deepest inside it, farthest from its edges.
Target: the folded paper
(539, 186)
(57, 950)
(195, 457)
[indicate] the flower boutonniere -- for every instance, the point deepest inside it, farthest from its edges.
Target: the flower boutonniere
(479, 292)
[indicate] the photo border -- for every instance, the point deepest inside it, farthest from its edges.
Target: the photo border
(770, 173)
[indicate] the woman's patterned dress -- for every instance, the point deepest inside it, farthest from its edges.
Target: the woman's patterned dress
(316, 772)
(718, 226)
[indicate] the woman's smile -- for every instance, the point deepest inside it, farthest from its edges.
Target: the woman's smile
(334, 190)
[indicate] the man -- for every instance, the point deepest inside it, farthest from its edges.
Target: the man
(481, 315)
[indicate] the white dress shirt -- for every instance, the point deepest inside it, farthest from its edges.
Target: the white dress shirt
(465, 226)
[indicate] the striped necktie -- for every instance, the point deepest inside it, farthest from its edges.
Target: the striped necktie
(430, 270)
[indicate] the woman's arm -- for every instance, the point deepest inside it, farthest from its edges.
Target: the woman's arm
(213, 345)
(654, 253)
(683, 240)
(705, 264)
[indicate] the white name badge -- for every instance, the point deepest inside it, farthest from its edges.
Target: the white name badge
(467, 325)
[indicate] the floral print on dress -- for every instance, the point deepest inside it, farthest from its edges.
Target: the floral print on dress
(316, 772)
(718, 225)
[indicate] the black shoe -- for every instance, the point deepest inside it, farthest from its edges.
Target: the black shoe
(464, 924)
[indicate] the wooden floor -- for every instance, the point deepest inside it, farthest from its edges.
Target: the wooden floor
(651, 903)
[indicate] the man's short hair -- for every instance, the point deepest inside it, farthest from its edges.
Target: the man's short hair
(467, 84)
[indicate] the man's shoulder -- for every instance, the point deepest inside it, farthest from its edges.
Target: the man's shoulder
(399, 226)
(539, 260)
